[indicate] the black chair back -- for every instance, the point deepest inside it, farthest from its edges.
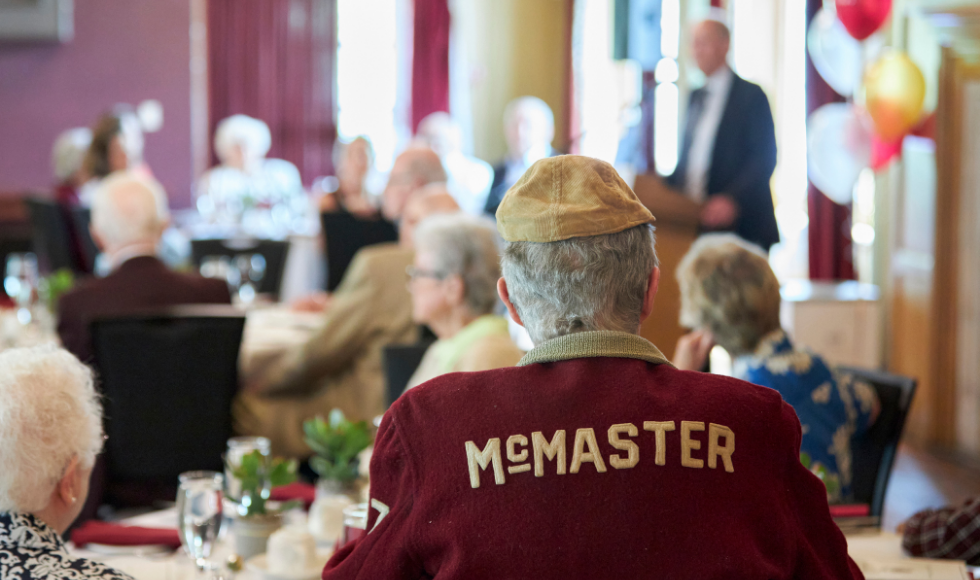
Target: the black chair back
(345, 234)
(400, 362)
(81, 218)
(51, 236)
(168, 378)
(873, 454)
(275, 253)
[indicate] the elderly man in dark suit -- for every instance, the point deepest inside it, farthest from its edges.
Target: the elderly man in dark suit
(129, 215)
(729, 148)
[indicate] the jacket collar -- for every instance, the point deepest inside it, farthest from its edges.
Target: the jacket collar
(599, 343)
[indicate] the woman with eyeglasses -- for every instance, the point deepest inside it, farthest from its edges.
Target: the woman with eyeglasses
(50, 433)
(454, 291)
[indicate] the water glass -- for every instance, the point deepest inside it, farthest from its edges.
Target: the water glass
(250, 271)
(239, 447)
(355, 523)
(199, 508)
(20, 283)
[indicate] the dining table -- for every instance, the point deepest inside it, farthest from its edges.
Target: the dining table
(877, 553)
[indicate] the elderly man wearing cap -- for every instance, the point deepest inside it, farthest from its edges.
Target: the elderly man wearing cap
(595, 458)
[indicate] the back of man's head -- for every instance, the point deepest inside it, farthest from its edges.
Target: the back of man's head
(580, 249)
(415, 168)
(127, 209)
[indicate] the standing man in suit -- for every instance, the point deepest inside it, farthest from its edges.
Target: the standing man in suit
(729, 148)
(129, 215)
(529, 127)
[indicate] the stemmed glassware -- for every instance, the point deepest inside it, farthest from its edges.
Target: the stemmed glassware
(199, 511)
(20, 283)
(243, 273)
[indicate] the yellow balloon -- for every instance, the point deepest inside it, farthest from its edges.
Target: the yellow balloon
(894, 92)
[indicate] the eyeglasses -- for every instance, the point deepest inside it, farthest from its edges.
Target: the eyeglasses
(416, 273)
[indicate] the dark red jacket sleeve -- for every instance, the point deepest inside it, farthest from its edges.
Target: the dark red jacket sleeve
(387, 550)
(821, 547)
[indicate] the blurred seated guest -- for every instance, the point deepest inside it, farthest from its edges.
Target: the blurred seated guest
(50, 434)
(469, 178)
(245, 180)
(454, 291)
(129, 215)
(117, 145)
(67, 156)
(355, 172)
(529, 127)
(730, 297)
(949, 532)
(340, 366)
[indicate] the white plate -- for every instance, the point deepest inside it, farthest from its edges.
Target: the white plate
(149, 550)
(259, 565)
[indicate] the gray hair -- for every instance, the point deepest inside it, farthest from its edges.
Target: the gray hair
(580, 284)
(728, 288)
(127, 208)
(250, 133)
(50, 415)
(469, 247)
(69, 151)
(533, 104)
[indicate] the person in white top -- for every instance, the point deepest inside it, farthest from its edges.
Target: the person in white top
(469, 177)
(246, 189)
(729, 146)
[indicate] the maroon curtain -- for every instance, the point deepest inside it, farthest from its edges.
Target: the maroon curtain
(831, 257)
(430, 59)
(275, 60)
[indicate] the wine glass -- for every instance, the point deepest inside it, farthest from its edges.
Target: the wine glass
(250, 271)
(199, 508)
(20, 282)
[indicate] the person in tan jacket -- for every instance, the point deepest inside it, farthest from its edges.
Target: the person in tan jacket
(341, 365)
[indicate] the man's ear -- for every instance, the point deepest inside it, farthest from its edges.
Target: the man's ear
(653, 284)
(505, 297)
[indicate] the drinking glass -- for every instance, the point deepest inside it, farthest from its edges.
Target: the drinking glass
(355, 523)
(199, 500)
(239, 447)
(20, 282)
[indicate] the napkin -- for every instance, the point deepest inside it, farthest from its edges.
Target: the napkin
(96, 532)
(298, 490)
(850, 510)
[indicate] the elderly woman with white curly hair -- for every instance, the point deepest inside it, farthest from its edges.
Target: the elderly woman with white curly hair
(245, 180)
(730, 297)
(454, 291)
(50, 433)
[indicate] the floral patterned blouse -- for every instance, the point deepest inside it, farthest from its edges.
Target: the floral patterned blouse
(832, 407)
(31, 550)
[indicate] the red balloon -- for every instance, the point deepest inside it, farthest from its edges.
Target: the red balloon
(863, 17)
(882, 152)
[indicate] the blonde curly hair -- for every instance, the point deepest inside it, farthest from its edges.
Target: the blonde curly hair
(728, 288)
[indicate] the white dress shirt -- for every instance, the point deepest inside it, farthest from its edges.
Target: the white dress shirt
(713, 103)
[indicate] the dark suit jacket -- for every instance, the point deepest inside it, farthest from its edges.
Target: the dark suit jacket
(139, 283)
(742, 160)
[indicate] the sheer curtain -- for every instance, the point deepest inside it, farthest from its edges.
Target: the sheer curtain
(275, 60)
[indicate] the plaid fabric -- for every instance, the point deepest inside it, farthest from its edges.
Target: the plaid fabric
(952, 532)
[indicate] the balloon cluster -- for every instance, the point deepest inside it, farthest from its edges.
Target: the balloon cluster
(842, 138)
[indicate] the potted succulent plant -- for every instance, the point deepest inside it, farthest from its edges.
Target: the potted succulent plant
(336, 444)
(256, 521)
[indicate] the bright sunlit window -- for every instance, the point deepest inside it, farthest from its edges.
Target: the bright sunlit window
(367, 74)
(667, 94)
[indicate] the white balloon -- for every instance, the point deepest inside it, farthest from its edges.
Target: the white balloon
(836, 55)
(838, 147)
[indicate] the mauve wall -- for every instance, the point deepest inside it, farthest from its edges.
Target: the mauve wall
(124, 51)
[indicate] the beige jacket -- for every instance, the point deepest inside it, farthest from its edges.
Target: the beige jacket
(341, 365)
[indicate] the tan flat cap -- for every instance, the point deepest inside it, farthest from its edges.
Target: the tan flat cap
(569, 196)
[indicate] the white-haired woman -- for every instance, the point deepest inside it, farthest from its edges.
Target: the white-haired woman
(50, 433)
(730, 296)
(454, 292)
(245, 180)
